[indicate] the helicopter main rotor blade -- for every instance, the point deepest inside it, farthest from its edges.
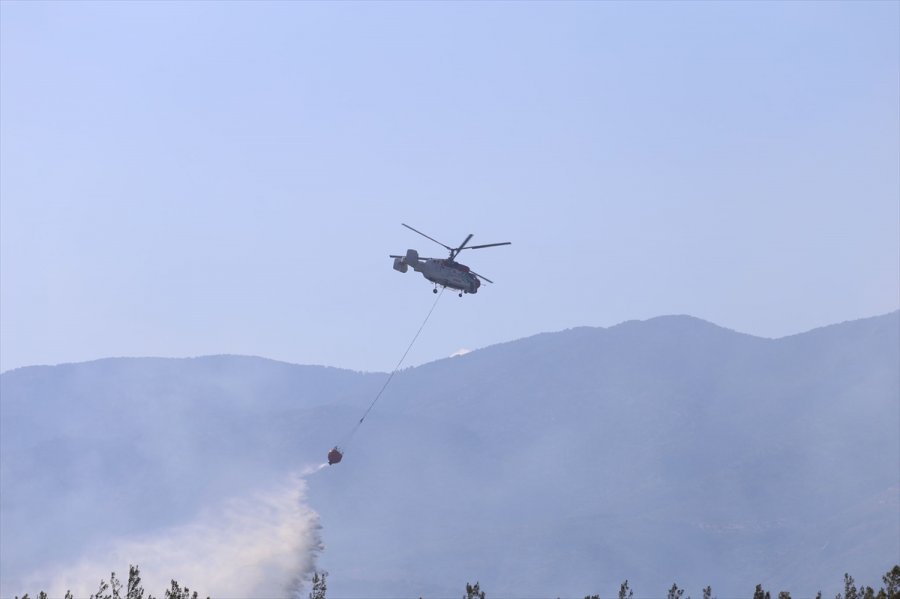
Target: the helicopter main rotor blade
(480, 276)
(461, 247)
(426, 236)
(488, 245)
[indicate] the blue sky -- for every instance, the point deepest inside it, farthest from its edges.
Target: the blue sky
(181, 179)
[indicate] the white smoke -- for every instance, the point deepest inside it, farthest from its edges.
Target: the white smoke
(313, 469)
(263, 545)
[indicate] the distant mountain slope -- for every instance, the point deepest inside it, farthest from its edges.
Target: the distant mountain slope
(561, 464)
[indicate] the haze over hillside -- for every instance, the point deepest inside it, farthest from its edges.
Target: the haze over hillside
(668, 450)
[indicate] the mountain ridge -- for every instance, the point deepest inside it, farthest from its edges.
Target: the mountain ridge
(559, 464)
(625, 323)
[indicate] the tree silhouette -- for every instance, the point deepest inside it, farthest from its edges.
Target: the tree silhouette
(319, 585)
(473, 592)
(134, 589)
(892, 583)
(759, 593)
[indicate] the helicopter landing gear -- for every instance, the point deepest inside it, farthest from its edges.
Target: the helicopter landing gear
(434, 290)
(460, 294)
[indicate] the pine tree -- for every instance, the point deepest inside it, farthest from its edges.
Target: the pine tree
(134, 590)
(784, 595)
(319, 585)
(625, 591)
(176, 592)
(850, 591)
(675, 592)
(102, 591)
(707, 592)
(759, 593)
(892, 583)
(113, 589)
(473, 592)
(115, 585)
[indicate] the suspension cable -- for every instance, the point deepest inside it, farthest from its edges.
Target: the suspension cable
(393, 372)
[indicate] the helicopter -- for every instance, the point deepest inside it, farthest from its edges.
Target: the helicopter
(446, 272)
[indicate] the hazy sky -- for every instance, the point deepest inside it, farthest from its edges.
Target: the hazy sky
(182, 179)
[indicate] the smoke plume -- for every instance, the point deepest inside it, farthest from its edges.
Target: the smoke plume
(263, 545)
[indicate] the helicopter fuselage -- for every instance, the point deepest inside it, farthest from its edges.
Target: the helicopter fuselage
(443, 272)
